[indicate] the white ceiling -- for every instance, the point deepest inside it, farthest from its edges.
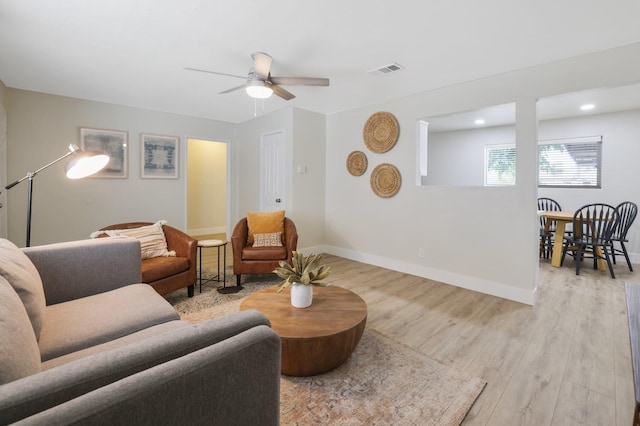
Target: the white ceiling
(133, 52)
(604, 100)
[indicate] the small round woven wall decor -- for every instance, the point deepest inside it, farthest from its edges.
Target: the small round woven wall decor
(357, 163)
(385, 180)
(380, 132)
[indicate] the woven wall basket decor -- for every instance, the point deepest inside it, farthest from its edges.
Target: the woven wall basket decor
(380, 132)
(357, 163)
(385, 180)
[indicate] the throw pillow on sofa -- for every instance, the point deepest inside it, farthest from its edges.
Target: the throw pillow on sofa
(23, 276)
(152, 240)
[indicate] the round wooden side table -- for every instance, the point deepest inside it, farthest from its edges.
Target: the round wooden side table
(316, 339)
(203, 244)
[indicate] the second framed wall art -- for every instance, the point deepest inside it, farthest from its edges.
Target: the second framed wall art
(159, 156)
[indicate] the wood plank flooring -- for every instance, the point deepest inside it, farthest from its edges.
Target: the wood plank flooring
(564, 361)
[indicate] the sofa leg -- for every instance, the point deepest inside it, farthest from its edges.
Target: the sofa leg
(238, 280)
(191, 290)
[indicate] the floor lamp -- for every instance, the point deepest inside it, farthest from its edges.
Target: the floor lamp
(83, 164)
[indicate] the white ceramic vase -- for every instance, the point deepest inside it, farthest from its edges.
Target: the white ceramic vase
(301, 295)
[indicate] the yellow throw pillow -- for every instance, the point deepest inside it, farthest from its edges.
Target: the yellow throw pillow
(264, 223)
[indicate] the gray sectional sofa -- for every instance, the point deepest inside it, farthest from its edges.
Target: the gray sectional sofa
(83, 342)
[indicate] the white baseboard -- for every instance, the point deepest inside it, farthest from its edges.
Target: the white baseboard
(447, 277)
(206, 231)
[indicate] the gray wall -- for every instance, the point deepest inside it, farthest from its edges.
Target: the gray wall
(480, 238)
(40, 128)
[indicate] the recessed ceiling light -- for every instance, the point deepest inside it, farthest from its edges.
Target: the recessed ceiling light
(587, 107)
(479, 121)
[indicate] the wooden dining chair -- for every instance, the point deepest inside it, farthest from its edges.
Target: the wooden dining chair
(627, 212)
(547, 231)
(593, 226)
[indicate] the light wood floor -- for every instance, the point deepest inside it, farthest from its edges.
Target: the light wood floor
(565, 361)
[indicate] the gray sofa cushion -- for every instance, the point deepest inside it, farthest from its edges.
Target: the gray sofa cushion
(129, 339)
(82, 323)
(76, 269)
(16, 268)
(19, 354)
(52, 387)
(194, 389)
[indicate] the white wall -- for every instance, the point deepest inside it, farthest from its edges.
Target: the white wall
(40, 128)
(479, 238)
(247, 172)
(457, 157)
(309, 146)
(620, 171)
(305, 147)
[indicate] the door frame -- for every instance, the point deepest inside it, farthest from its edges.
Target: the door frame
(230, 198)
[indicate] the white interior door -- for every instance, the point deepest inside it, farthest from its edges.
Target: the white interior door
(3, 173)
(272, 171)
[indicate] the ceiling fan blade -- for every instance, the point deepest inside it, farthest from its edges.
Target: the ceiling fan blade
(242, 86)
(217, 73)
(287, 96)
(300, 81)
(261, 64)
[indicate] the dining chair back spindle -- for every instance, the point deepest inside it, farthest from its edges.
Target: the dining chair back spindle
(627, 212)
(593, 227)
(547, 230)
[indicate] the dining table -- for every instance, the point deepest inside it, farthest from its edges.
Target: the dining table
(562, 218)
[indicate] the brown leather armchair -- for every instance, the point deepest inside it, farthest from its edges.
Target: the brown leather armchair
(260, 260)
(167, 274)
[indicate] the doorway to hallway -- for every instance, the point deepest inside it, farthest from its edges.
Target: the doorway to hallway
(207, 187)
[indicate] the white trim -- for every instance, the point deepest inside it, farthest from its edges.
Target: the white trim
(446, 277)
(206, 231)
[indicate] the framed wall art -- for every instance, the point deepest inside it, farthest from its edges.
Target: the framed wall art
(111, 142)
(159, 156)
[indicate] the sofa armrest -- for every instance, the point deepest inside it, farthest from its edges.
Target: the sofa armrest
(39, 392)
(76, 269)
(236, 381)
(291, 235)
(183, 244)
(239, 239)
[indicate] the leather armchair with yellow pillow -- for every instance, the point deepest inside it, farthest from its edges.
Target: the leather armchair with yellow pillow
(167, 272)
(257, 247)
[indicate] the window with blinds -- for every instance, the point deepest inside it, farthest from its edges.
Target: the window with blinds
(562, 163)
(570, 163)
(500, 165)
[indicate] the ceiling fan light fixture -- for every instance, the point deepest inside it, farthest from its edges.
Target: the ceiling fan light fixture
(259, 89)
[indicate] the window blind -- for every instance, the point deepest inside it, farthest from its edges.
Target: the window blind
(500, 165)
(570, 163)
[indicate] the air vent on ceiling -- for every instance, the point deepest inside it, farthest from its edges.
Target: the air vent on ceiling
(387, 69)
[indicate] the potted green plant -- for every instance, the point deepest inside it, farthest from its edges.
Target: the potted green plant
(302, 275)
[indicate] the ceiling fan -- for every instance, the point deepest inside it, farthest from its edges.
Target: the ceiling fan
(260, 84)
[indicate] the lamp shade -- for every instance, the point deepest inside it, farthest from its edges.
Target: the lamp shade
(85, 163)
(259, 89)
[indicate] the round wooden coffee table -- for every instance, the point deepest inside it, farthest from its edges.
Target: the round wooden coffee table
(316, 339)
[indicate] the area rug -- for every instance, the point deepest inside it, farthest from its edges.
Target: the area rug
(382, 383)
